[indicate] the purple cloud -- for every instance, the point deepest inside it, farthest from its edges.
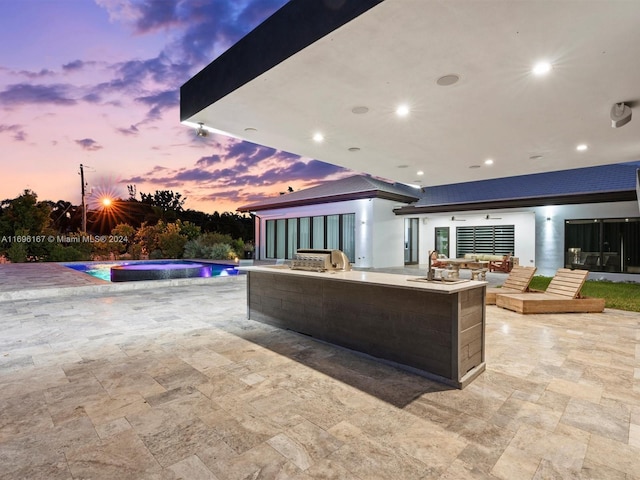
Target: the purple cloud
(19, 135)
(73, 66)
(89, 144)
(208, 161)
(130, 131)
(42, 73)
(23, 93)
(159, 102)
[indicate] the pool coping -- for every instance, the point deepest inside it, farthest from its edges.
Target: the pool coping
(28, 281)
(108, 287)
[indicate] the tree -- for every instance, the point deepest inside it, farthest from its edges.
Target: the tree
(25, 220)
(166, 201)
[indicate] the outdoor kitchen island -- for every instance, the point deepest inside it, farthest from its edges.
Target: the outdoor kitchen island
(435, 329)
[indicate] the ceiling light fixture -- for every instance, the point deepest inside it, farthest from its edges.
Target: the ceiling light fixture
(420, 172)
(360, 110)
(541, 68)
(201, 131)
(582, 147)
(354, 149)
(318, 137)
(402, 110)
(488, 161)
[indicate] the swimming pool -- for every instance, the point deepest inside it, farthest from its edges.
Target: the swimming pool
(153, 269)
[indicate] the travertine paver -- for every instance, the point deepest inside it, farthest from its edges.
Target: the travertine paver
(174, 382)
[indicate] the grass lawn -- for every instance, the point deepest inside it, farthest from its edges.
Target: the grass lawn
(623, 296)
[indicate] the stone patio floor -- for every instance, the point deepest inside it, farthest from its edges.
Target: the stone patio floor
(173, 382)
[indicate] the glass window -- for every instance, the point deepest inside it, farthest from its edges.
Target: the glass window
(490, 239)
(292, 237)
(442, 241)
(280, 238)
(305, 233)
(603, 245)
(270, 235)
(285, 236)
(349, 235)
(318, 232)
(333, 231)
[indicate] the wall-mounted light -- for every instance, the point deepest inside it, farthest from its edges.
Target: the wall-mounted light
(201, 131)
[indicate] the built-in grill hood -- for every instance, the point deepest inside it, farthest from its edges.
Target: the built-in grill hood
(318, 260)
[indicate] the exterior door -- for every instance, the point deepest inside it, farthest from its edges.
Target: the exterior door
(442, 240)
(411, 241)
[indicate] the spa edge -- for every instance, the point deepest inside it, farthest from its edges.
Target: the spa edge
(434, 329)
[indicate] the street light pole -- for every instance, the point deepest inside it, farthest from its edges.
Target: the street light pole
(84, 205)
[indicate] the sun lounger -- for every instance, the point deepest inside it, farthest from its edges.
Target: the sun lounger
(517, 282)
(561, 296)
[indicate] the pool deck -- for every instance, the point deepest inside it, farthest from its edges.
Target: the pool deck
(22, 281)
(173, 382)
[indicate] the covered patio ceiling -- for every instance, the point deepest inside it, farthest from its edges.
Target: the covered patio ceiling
(341, 68)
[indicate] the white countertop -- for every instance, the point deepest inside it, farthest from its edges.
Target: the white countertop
(377, 278)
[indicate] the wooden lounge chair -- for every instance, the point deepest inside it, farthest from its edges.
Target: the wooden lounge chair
(561, 296)
(517, 282)
(505, 265)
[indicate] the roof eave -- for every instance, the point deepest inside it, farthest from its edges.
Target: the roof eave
(329, 199)
(598, 197)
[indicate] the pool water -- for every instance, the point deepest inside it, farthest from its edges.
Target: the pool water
(102, 270)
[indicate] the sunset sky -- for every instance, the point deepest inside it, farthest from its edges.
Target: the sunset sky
(97, 82)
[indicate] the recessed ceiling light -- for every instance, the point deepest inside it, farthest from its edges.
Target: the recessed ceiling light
(359, 110)
(536, 157)
(447, 80)
(488, 161)
(541, 68)
(420, 172)
(582, 147)
(354, 149)
(250, 129)
(318, 137)
(402, 110)
(474, 166)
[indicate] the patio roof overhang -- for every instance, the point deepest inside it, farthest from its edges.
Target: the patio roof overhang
(341, 67)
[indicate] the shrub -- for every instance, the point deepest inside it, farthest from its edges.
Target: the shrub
(17, 252)
(222, 251)
(61, 253)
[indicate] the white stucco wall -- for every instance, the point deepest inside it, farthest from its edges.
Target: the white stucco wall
(388, 235)
(550, 234)
(380, 233)
(363, 210)
(523, 221)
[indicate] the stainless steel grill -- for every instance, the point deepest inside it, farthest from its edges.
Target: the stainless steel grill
(317, 260)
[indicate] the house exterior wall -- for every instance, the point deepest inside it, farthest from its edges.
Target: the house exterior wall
(387, 235)
(378, 236)
(538, 242)
(550, 234)
(524, 225)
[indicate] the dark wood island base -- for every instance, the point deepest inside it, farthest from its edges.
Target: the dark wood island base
(434, 329)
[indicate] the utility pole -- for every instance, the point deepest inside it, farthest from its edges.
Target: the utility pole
(84, 205)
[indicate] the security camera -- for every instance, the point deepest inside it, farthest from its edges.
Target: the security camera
(620, 115)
